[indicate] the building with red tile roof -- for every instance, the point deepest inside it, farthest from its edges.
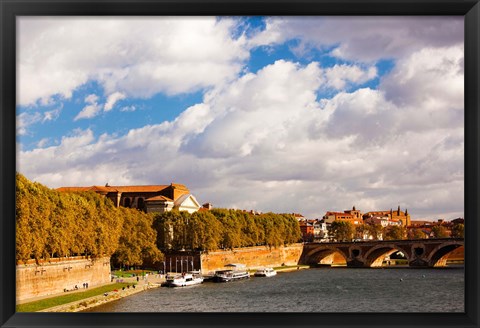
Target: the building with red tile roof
(392, 215)
(354, 216)
(148, 198)
(307, 230)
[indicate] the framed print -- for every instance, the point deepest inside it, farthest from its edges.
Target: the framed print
(319, 157)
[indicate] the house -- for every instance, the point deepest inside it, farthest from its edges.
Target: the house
(320, 230)
(149, 198)
(384, 221)
(307, 230)
(421, 223)
(298, 217)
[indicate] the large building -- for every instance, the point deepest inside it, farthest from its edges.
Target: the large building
(353, 216)
(153, 198)
(391, 215)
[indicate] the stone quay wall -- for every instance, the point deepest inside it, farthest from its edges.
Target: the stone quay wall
(252, 257)
(52, 277)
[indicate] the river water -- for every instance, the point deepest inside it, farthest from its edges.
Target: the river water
(311, 290)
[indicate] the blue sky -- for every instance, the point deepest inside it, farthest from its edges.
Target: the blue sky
(282, 114)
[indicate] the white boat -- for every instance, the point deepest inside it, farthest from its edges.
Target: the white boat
(184, 279)
(265, 272)
(238, 272)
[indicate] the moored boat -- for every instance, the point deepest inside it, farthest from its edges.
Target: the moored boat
(265, 272)
(184, 279)
(238, 272)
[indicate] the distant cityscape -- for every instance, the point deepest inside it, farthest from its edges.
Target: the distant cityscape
(379, 225)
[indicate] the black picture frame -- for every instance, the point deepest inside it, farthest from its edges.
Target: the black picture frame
(470, 9)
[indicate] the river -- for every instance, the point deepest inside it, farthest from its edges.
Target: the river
(311, 290)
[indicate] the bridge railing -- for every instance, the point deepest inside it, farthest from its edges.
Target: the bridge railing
(384, 241)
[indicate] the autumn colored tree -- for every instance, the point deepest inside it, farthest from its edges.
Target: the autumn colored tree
(415, 233)
(50, 223)
(458, 230)
(341, 230)
(292, 230)
(395, 233)
(224, 229)
(360, 231)
(439, 231)
(375, 230)
(205, 231)
(137, 242)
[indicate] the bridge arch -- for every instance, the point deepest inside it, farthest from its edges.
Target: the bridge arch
(418, 252)
(438, 256)
(324, 255)
(375, 256)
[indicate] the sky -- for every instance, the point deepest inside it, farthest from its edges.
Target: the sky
(283, 114)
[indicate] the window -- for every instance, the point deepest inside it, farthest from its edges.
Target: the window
(140, 203)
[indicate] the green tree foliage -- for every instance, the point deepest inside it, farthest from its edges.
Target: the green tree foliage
(341, 230)
(375, 230)
(440, 231)
(395, 233)
(415, 233)
(224, 229)
(57, 224)
(361, 230)
(458, 230)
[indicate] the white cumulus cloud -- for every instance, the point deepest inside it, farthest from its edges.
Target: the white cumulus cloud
(137, 56)
(92, 109)
(265, 141)
(112, 100)
(363, 38)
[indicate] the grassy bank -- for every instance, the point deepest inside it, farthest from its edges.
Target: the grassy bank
(68, 298)
(131, 273)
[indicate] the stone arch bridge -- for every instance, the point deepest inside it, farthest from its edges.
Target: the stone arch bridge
(366, 254)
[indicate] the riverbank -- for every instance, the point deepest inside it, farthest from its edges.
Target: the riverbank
(94, 301)
(108, 293)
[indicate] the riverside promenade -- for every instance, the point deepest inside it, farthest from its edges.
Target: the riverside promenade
(153, 281)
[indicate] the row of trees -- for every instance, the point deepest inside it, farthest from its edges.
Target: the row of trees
(58, 224)
(224, 229)
(346, 231)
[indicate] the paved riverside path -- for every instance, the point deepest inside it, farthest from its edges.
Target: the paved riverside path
(152, 280)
